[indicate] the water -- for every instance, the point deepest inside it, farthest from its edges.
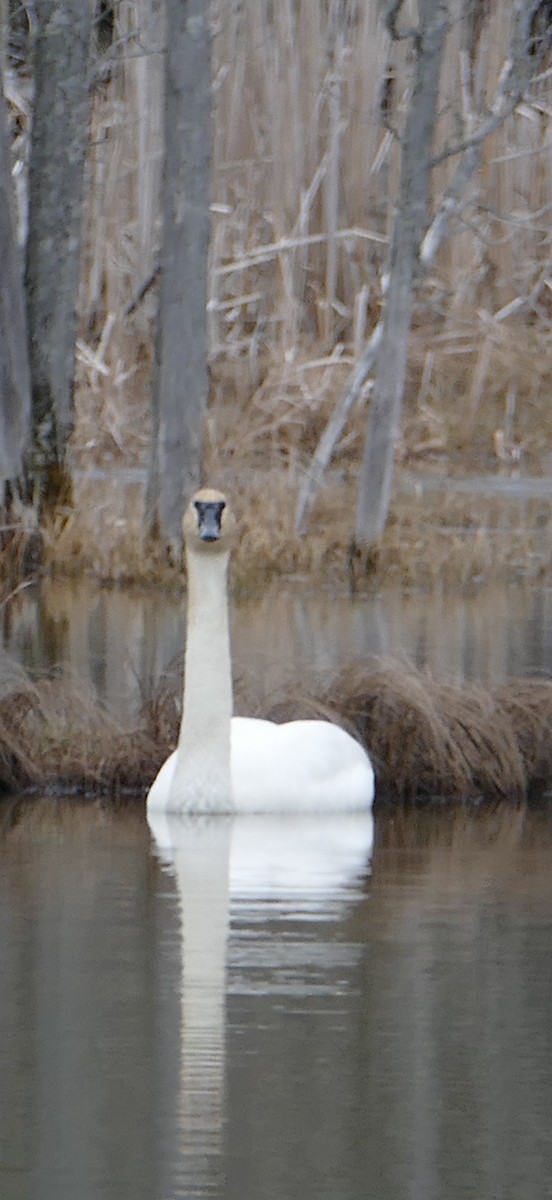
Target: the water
(269, 1011)
(121, 644)
(275, 1009)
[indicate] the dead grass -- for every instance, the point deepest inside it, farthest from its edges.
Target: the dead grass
(435, 535)
(430, 740)
(258, 446)
(52, 737)
(303, 188)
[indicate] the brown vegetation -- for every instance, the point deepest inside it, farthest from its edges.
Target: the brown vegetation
(430, 741)
(304, 179)
(436, 534)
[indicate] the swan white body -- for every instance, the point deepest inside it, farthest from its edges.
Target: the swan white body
(303, 766)
(236, 764)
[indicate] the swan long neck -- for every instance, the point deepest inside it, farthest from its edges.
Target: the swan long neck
(207, 700)
(203, 751)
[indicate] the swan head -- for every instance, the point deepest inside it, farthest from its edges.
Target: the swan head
(209, 524)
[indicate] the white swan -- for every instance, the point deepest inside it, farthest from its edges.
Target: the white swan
(233, 764)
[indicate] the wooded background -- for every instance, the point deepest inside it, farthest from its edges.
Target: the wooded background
(354, 170)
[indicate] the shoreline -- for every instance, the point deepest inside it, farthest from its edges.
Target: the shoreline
(448, 530)
(431, 741)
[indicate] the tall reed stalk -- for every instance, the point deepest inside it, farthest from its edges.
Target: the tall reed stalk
(307, 100)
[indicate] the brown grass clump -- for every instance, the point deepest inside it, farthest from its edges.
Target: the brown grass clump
(432, 739)
(52, 737)
(18, 767)
(528, 704)
(429, 740)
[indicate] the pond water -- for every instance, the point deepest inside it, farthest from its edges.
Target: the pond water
(267, 1009)
(122, 644)
(285, 1011)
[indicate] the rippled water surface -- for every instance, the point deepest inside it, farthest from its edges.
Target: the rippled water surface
(275, 1009)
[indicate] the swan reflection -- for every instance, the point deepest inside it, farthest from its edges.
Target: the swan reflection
(312, 867)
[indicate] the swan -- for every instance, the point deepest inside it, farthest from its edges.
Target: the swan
(226, 764)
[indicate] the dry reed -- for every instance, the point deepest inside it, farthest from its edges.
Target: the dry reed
(430, 740)
(304, 173)
(52, 737)
(304, 179)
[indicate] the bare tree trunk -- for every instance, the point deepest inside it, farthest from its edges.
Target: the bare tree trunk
(410, 221)
(474, 127)
(15, 395)
(182, 381)
(58, 147)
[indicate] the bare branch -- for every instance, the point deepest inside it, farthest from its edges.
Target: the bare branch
(335, 427)
(391, 16)
(514, 75)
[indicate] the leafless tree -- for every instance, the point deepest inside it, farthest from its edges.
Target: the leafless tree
(428, 40)
(56, 182)
(14, 367)
(181, 385)
(416, 237)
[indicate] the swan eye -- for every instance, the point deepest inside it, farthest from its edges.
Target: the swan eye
(209, 519)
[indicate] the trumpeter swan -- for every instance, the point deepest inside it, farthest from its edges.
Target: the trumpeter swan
(234, 764)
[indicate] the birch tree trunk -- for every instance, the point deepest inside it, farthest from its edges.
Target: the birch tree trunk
(15, 395)
(182, 382)
(56, 181)
(410, 220)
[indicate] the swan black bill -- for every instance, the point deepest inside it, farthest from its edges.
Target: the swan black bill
(209, 519)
